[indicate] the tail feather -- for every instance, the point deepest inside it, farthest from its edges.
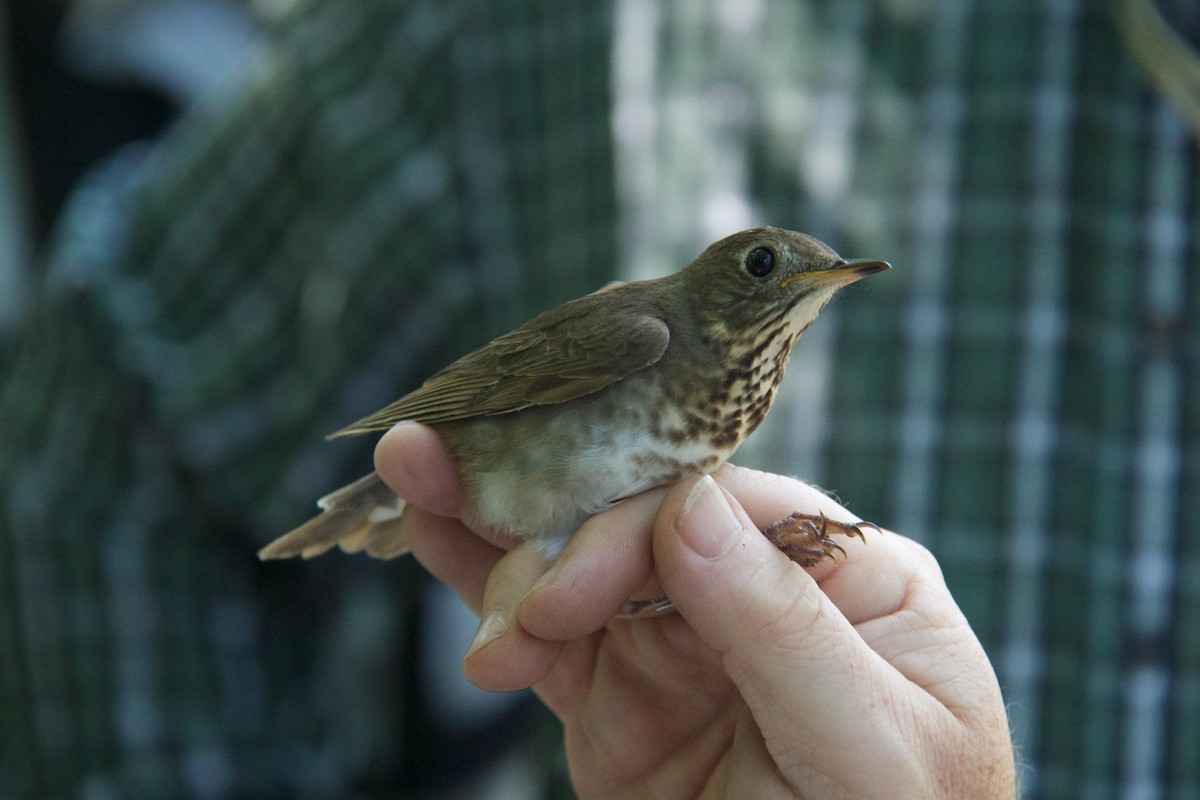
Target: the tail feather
(364, 515)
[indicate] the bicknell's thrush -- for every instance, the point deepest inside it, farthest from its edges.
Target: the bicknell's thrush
(628, 388)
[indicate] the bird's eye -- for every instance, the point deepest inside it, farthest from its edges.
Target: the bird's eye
(760, 262)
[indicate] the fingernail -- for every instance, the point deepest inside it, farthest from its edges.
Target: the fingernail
(707, 522)
(490, 627)
(548, 577)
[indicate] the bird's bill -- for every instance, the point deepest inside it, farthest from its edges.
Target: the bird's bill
(846, 272)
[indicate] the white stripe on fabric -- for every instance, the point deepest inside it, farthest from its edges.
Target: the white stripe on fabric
(1033, 436)
(1157, 460)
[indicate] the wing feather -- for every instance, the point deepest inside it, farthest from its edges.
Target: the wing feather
(567, 352)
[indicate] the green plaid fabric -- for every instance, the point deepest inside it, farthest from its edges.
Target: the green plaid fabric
(391, 183)
(382, 190)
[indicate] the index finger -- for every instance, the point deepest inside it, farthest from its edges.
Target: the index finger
(415, 463)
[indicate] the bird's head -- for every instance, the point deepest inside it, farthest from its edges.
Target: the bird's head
(759, 278)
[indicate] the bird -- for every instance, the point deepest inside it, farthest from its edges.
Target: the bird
(631, 387)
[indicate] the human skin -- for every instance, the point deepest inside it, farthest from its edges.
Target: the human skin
(856, 678)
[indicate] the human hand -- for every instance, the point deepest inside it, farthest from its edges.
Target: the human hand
(855, 678)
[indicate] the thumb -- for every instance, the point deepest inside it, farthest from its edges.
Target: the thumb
(801, 667)
(725, 577)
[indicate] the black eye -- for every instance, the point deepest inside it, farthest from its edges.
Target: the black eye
(760, 262)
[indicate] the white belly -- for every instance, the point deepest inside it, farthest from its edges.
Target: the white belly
(540, 473)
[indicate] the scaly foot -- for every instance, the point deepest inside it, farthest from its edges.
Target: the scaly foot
(805, 538)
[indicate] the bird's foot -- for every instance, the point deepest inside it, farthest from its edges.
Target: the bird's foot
(805, 538)
(646, 608)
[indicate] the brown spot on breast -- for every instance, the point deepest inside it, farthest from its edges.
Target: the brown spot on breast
(725, 439)
(721, 403)
(664, 469)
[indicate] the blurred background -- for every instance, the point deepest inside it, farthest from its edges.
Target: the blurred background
(228, 227)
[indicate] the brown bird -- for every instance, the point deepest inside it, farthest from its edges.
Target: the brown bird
(630, 387)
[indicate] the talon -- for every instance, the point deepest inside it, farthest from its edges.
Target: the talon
(646, 608)
(858, 526)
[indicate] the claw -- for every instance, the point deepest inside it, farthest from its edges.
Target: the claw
(646, 608)
(858, 526)
(805, 538)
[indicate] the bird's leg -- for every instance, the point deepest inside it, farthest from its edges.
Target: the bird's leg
(805, 538)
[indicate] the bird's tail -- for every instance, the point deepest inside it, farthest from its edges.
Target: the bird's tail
(364, 515)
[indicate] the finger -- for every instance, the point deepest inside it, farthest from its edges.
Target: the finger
(869, 581)
(450, 552)
(915, 640)
(799, 664)
(607, 561)
(891, 589)
(772, 497)
(751, 769)
(504, 656)
(414, 461)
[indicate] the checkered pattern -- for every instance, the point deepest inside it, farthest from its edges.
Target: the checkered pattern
(394, 183)
(1015, 394)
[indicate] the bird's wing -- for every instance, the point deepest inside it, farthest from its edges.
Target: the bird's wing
(567, 352)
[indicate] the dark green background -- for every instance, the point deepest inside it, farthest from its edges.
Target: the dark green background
(383, 186)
